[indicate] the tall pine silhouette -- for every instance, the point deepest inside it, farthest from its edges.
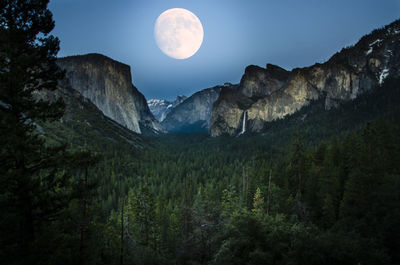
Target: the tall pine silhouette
(31, 182)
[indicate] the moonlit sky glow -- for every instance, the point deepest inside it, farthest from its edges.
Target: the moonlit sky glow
(237, 33)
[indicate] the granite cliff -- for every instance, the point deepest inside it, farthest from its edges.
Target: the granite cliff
(272, 93)
(108, 85)
(193, 114)
(83, 123)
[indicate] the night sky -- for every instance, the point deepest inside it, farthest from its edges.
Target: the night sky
(236, 34)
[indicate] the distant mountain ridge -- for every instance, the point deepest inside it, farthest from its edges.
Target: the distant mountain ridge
(108, 85)
(161, 107)
(272, 93)
(194, 114)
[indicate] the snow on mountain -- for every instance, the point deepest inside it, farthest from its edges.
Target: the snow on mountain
(161, 107)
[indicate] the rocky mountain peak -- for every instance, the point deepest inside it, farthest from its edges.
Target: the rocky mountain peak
(194, 114)
(161, 107)
(272, 93)
(259, 82)
(108, 84)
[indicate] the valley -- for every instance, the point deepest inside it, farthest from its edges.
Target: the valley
(189, 197)
(180, 197)
(200, 188)
(287, 167)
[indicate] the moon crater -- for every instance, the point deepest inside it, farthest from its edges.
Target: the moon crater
(178, 33)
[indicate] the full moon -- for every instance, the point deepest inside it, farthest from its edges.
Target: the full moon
(178, 33)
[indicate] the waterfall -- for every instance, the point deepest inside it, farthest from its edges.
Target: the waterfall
(243, 123)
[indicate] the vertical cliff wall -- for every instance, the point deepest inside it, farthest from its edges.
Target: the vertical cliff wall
(108, 85)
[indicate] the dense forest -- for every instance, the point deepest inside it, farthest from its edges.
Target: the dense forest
(317, 187)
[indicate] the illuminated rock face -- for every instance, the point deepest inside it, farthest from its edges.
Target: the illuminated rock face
(108, 85)
(272, 93)
(193, 114)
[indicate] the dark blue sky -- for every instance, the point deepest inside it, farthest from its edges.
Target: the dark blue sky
(289, 33)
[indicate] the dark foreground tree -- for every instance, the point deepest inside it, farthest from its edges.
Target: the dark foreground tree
(86, 192)
(30, 180)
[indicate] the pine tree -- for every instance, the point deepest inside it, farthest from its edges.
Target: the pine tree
(258, 202)
(143, 216)
(85, 189)
(297, 170)
(30, 179)
(229, 202)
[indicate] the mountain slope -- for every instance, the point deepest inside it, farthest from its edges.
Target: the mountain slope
(194, 113)
(272, 93)
(84, 125)
(108, 84)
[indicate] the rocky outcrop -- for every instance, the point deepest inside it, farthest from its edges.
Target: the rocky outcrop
(272, 93)
(193, 114)
(108, 85)
(161, 107)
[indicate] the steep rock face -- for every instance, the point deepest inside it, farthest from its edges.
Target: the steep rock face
(194, 113)
(83, 121)
(160, 107)
(108, 85)
(272, 93)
